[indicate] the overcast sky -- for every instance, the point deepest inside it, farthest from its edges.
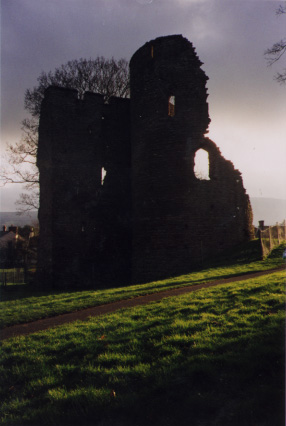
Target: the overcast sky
(247, 107)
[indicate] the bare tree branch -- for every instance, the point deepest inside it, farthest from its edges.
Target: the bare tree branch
(28, 202)
(281, 9)
(274, 53)
(281, 77)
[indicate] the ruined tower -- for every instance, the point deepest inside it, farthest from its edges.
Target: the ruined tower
(178, 219)
(153, 216)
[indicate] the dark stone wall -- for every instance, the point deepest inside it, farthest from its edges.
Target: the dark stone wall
(178, 220)
(113, 213)
(151, 217)
(84, 231)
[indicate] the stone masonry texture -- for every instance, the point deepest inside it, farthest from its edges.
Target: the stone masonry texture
(150, 217)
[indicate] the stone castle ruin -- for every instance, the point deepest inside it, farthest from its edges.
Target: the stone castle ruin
(151, 216)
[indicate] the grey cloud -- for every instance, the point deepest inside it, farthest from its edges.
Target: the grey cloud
(230, 38)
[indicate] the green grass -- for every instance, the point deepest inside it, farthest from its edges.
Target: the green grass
(213, 357)
(19, 304)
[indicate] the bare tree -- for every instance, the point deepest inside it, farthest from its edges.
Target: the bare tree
(108, 77)
(274, 53)
(21, 166)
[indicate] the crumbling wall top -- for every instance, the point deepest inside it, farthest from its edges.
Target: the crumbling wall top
(167, 46)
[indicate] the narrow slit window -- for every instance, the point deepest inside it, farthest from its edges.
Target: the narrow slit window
(202, 167)
(152, 51)
(103, 174)
(171, 106)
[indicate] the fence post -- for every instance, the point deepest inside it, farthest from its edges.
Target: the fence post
(270, 238)
(260, 238)
(278, 232)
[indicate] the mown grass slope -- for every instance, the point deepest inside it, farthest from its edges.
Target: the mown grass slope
(213, 357)
(23, 303)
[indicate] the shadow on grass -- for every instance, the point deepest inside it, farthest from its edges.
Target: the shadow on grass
(240, 254)
(23, 291)
(237, 381)
(240, 383)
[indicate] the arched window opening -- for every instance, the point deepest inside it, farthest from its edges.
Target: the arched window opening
(103, 174)
(171, 106)
(202, 167)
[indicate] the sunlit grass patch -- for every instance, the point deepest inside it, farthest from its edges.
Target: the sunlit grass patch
(211, 357)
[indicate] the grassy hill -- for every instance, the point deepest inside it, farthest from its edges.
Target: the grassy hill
(212, 357)
(24, 303)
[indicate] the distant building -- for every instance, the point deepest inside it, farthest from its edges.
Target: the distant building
(11, 245)
(10, 236)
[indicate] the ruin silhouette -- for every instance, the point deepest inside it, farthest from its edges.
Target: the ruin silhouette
(152, 216)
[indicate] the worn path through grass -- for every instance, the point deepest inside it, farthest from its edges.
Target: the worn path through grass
(44, 324)
(23, 305)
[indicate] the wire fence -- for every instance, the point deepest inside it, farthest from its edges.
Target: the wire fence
(272, 237)
(12, 276)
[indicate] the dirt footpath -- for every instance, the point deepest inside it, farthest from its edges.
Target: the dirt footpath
(43, 324)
